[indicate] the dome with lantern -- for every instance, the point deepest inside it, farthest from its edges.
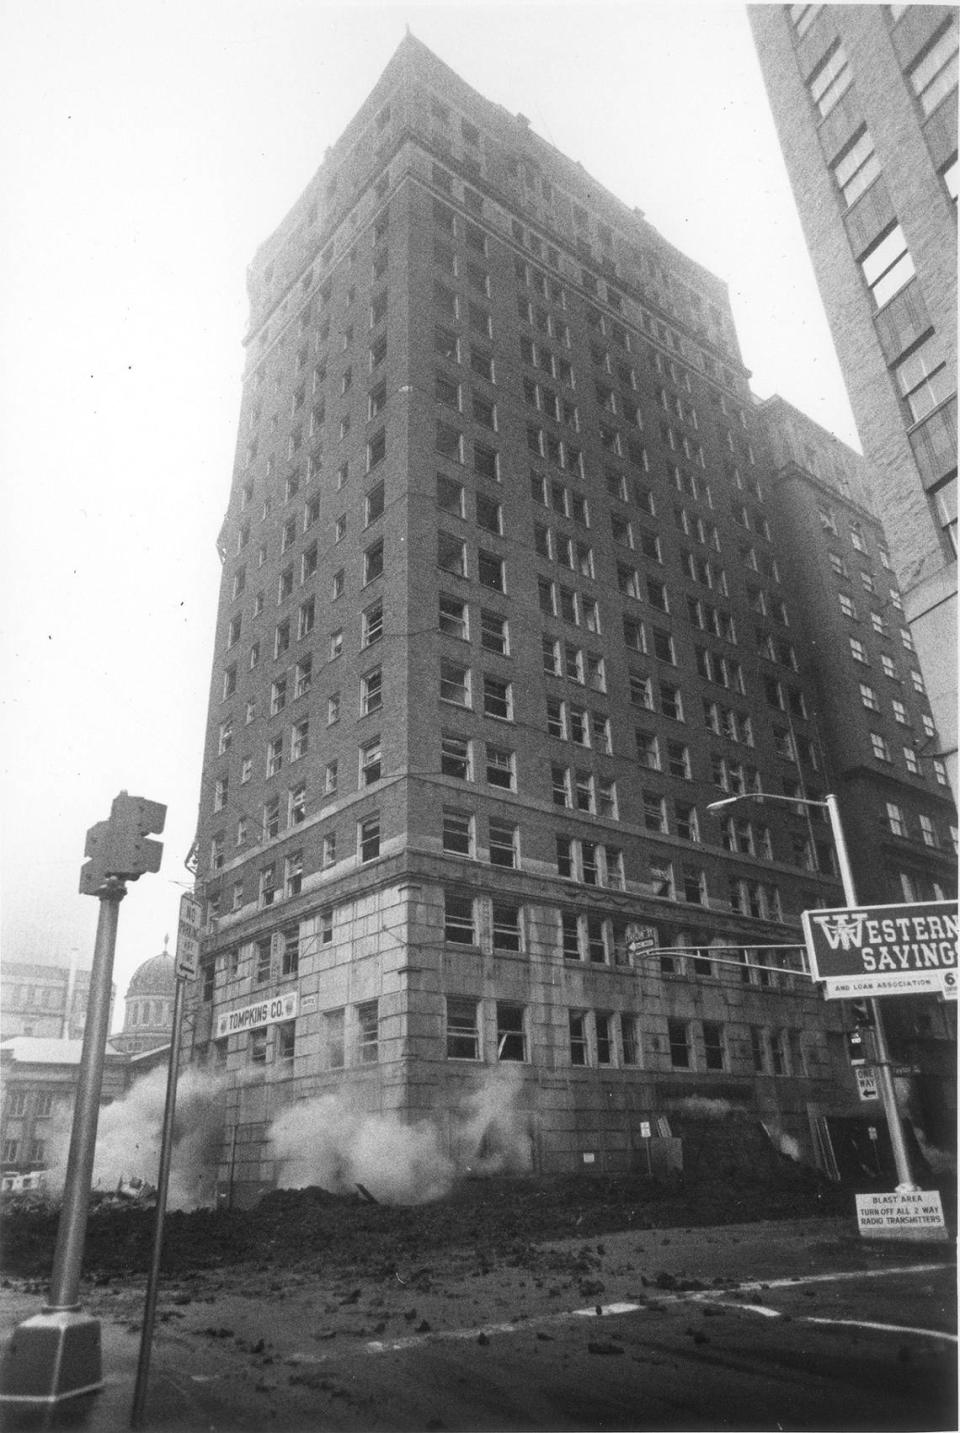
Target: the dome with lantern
(148, 1013)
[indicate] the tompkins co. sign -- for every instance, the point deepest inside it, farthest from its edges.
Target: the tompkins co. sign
(882, 950)
(251, 1017)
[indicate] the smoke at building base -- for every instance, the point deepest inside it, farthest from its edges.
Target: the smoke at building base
(331, 1141)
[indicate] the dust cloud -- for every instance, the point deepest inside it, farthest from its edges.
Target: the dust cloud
(333, 1142)
(128, 1138)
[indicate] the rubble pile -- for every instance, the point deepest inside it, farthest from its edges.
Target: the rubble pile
(500, 1215)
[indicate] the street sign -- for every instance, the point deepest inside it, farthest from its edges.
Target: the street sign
(640, 938)
(915, 1214)
(867, 1083)
(872, 951)
(188, 938)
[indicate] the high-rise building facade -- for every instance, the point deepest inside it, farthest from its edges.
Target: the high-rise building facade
(500, 601)
(865, 102)
(870, 703)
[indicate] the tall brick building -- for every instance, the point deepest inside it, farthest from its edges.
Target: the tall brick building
(869, 699)
(865, 102)
(501, 600)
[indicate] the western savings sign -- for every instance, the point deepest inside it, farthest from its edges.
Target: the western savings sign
(882, 950)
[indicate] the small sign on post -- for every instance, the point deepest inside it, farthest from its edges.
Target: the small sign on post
(187, 961)
(917, 1214)
(640, 939)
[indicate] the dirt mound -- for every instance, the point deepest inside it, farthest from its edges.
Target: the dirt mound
(503, 1216)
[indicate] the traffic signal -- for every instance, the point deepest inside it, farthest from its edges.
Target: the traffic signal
(856, 1047)
(862, 1013)
(119, 847)
(134, 818)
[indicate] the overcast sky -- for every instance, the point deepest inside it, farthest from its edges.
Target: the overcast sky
(146, 149)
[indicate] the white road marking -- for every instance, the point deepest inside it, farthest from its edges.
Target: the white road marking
(658, 1299)
(885, 1328)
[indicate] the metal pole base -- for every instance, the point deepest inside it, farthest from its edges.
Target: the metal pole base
(51, 1357)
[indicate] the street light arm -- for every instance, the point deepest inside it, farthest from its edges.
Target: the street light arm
(767, 796)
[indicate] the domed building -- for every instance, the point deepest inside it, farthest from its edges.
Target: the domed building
(148, 1014)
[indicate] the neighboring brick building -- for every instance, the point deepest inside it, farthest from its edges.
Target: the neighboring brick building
(871, 707)
(45, 999)
(487, 647)
(865, 102)
(40, 1069)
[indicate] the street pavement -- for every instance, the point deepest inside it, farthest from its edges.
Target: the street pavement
(799, 1325)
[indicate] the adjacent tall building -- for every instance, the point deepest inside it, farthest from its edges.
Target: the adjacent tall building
(501, 610)
(865, 102)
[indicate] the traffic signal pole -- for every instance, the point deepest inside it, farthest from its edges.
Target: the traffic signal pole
(56, 1354)
(888, 1094)
(71, 1233)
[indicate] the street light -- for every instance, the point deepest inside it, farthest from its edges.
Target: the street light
(885, 1078)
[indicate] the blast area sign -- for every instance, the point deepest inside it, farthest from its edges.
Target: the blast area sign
(882, 950)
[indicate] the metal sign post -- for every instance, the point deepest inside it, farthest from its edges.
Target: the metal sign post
(186, 968)
(56, 1354)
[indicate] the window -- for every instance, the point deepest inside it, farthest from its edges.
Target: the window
(500, 769)
(373, 504)
(258, 1046)
(507, 934)
(856, 168)
(368, 1032)
(497, 698)
(451, 554)
(928, 832)
(713, 1048)
(858, 651)
(489, 514)
(373, 562)
(463, 1035)
(371, 625)
(493, 632)
(458, 922)
(511, 1037)
(678, 1038)
(486, 462)
(648, 749)
(455, 756)
(268, 884)
(369, 837)
(895, 819)
(370, 762)
(678, 760)
(300, 740)
(887, 266)
(455, 684)
(457, 832)
(935, 73)
(922, 378)
(503, 843)
(830, 80)
(578, 1038)
(490, 570)
(881, 749)
(869, 697)
(371, 692)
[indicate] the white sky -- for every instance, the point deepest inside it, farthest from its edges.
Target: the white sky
(146, 149)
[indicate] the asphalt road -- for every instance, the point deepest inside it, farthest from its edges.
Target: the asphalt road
(747, 1327)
